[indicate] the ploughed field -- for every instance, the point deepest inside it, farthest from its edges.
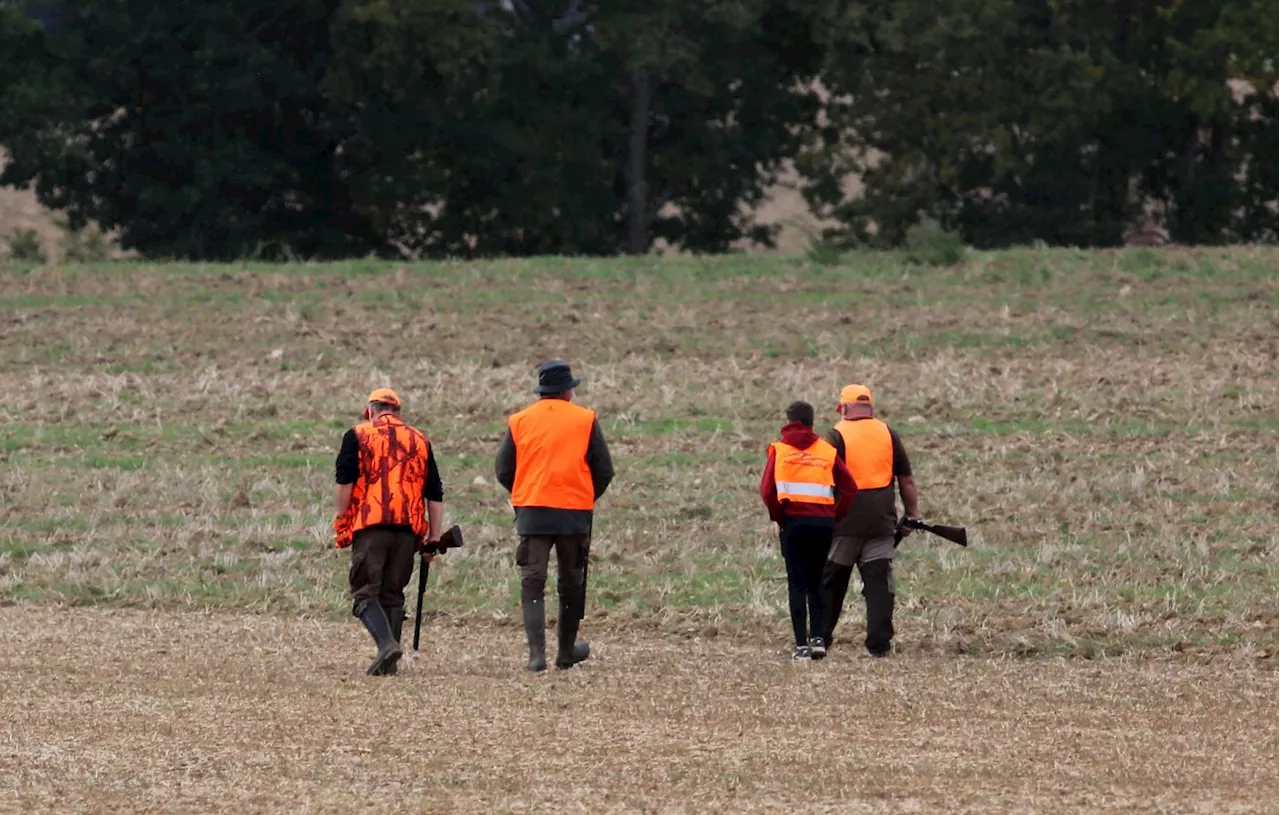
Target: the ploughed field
(176, 635)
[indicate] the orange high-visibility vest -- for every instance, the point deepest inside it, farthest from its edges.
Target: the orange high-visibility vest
(805, 476)
(868, 452)
(551, 438)
(393, 475)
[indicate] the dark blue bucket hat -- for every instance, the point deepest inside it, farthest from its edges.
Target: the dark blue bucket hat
(554, 377)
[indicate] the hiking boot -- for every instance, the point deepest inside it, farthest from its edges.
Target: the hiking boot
(817, 648)
(570, 652)
(801, 654)
(535, 630)
(379, 627)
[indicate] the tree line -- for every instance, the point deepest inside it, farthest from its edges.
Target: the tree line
(428, 128)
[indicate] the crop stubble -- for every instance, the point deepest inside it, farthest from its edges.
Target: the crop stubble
(1103, 422)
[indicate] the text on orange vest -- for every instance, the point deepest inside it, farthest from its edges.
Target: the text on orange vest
(805, 476)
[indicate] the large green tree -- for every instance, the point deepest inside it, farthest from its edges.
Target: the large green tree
(202, 130)
(1066, 121)
(325, 128)
(604, 126)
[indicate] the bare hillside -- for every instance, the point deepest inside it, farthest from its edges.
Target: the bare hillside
(20, 210)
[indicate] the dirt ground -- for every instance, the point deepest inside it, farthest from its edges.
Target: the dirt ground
(132, 711)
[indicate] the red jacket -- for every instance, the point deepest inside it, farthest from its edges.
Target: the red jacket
(801, 437)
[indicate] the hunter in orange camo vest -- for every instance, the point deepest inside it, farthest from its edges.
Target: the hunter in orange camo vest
(393, 474)
(389, 500)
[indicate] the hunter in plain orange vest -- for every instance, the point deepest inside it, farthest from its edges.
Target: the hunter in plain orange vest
(551, 438)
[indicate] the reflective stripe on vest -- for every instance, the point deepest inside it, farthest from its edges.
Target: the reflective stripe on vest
(805, 476)
(800, 488)
(551, 438)
(868, 452)
(393, 475)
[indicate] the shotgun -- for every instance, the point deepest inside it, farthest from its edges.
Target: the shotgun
(451, 539)
(956, 534)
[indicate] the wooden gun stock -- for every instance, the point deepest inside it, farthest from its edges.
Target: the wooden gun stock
(956, 534)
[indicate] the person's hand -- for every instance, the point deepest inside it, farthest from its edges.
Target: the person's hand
(904, 526)
(424, 547)
(341, 532)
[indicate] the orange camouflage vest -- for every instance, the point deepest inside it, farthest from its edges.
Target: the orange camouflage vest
(393, 475)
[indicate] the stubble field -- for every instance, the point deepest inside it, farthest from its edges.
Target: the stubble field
(176, 638)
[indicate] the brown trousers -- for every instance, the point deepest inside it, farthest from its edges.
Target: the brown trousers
(533, 556)
(381, 565)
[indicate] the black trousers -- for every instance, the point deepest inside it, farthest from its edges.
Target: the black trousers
(804, 550)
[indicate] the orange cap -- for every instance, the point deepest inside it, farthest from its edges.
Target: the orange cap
(855, 395)
(384, 395)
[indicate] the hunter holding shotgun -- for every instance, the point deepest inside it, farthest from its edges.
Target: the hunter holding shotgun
(865, 537)
(555, 463)
(390, 500)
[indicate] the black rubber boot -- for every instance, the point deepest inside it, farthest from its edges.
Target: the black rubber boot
(396, 617)
(877, 588)
(570, 652)
(535, 630)
(375, 620)
(835, 584)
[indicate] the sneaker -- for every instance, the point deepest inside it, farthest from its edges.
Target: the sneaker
(801, 653)
(817, 648)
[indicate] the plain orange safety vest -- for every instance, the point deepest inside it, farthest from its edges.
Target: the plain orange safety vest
(868, 452)
(551, 438)
(805, 476)
(393, 475)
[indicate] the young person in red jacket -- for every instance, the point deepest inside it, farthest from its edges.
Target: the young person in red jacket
(807, 490)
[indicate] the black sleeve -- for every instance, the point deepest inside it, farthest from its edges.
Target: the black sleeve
(433, 490)
(901, 464)
(598, 460)
(347, 468)
(504, 468)
(837, 441)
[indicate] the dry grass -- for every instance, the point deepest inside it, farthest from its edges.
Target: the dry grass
(1103, 422)
(145, 712)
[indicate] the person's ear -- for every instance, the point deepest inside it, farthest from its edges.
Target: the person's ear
(366, 413)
